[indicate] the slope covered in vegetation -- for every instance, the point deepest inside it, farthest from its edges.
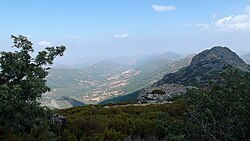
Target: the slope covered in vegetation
(219, 112)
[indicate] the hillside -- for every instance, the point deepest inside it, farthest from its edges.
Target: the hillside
(153, 70)
(200, 114)
(132, 97)
(109, 78)
(205, 67)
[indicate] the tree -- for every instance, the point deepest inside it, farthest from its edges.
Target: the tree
(22, 83)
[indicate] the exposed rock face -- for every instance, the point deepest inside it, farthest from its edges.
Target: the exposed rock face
(59, 120)
(205, 67)
(221, 56)
(161, 93)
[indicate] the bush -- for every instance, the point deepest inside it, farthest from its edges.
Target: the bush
(222, 112)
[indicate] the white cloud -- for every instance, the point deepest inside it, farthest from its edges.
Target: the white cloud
(234, 22)
(44, 43)
(158, 7)
(124, 35)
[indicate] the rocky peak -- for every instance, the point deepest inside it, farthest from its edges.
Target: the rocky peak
(222, 55)
(205, 67)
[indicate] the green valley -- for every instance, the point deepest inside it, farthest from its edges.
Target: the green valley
(107, 79)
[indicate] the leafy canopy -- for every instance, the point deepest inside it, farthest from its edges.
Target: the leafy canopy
(22, 82)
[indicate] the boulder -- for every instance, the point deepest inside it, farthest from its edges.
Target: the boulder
(165, 92)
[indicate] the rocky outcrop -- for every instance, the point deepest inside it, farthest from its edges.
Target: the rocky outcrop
(219, 56)
(59, 123)
(161, 93)
(205, 67)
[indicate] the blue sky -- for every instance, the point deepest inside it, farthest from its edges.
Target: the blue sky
(113, 28)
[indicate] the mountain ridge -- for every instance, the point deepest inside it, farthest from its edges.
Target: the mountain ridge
(205, 66)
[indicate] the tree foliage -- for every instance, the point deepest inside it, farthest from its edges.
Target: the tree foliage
(222, 112)
(22, 83)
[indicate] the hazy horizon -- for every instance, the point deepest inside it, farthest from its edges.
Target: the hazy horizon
(93, 29)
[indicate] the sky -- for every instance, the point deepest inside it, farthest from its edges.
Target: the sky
(127, 28)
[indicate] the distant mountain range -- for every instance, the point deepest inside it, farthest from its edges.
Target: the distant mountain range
(108, 78)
